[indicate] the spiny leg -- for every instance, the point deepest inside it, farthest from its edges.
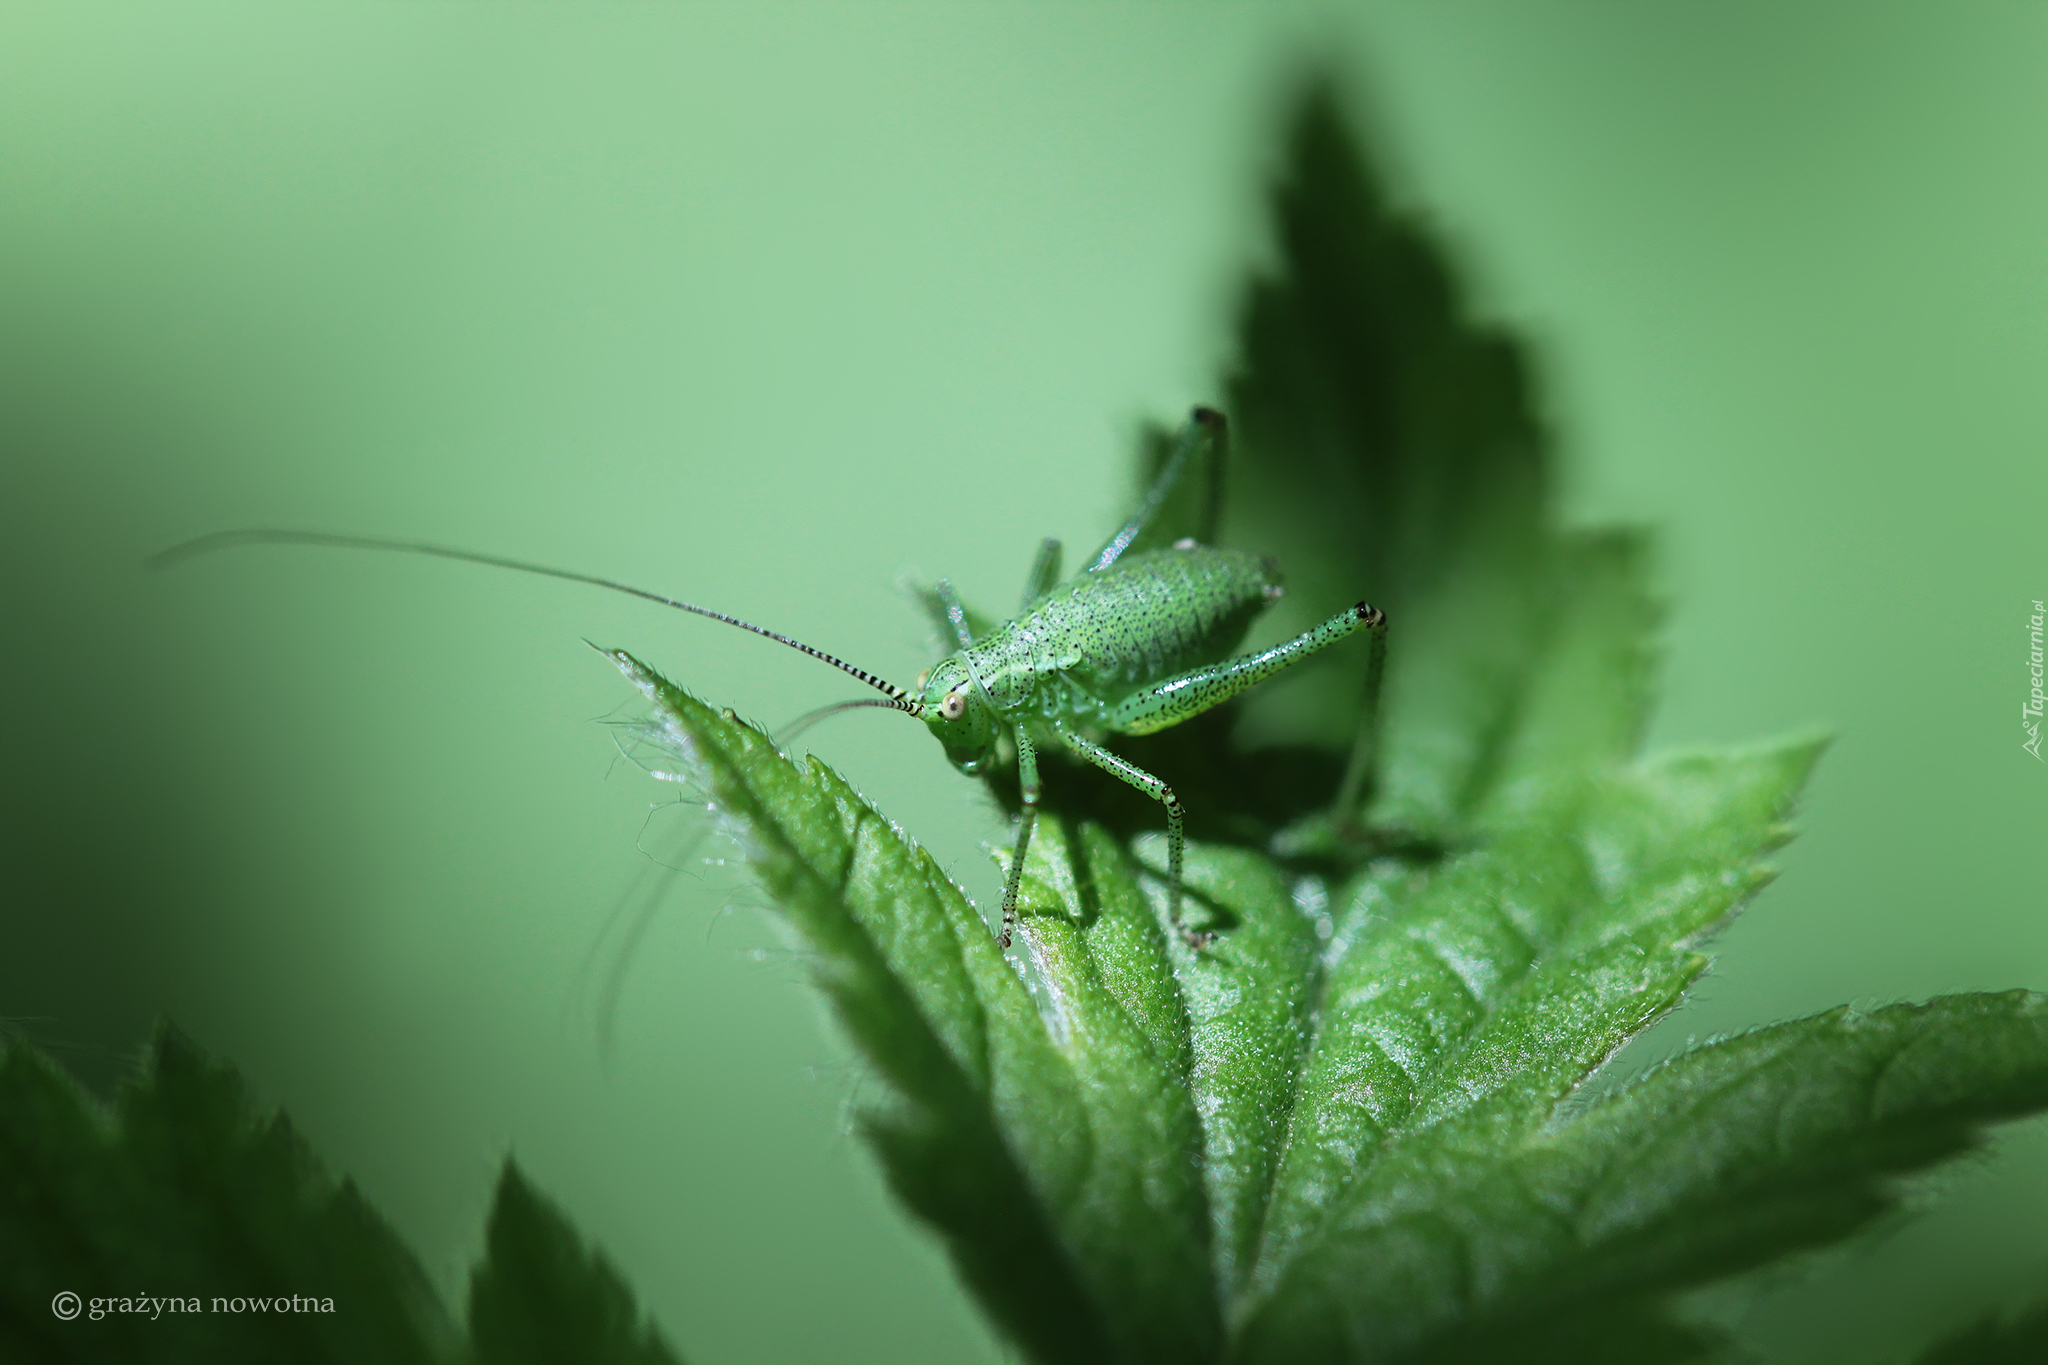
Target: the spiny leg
(1191, 693)
(1197, 690)
(1158, 791)
(1027, 781)
(1206, 428)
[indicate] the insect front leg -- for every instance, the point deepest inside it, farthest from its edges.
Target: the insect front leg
(956, 612)
(1158, 791)
(1027, 780)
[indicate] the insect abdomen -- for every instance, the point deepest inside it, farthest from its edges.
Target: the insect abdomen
(1144, 618)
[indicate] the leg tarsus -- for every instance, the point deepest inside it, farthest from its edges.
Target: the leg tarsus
(1160, 792)
(1027, 779)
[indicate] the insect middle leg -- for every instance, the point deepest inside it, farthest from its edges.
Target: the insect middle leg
(1158, 791)
(1027, 816)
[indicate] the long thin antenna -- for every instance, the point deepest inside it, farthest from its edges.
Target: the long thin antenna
(804, 722)
(228, 540)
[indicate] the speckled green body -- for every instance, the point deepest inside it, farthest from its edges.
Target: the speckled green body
(1083, 649)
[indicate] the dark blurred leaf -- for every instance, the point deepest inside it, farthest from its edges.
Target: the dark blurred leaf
(181, 1194)
(1388, 449)
(2000, 1339)
(541, 1298)
(1382, 433)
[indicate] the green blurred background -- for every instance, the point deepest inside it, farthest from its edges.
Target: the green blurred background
(766, 305)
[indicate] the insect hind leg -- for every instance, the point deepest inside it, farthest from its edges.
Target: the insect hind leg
(1203, 441)
(1160, 792)
(1200, 689)
(1365, 746)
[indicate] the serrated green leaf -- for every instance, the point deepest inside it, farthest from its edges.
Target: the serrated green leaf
(1724, 1158)
(1198, 1127)
(1344, 1130)
(1113, 1005)
(1228, 1025)
(1463, 1002)
(540, 1297)
(181, 1193)
(1251, 1002)
(1038, 1152)
(191, 1229)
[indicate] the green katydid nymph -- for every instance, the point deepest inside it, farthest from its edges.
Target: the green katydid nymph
(1139, 640)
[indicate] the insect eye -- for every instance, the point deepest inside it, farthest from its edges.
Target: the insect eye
(953, 707)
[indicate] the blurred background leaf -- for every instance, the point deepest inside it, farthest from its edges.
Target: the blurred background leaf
(2000, 1339)
(540, 1296)
(182, 1193)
